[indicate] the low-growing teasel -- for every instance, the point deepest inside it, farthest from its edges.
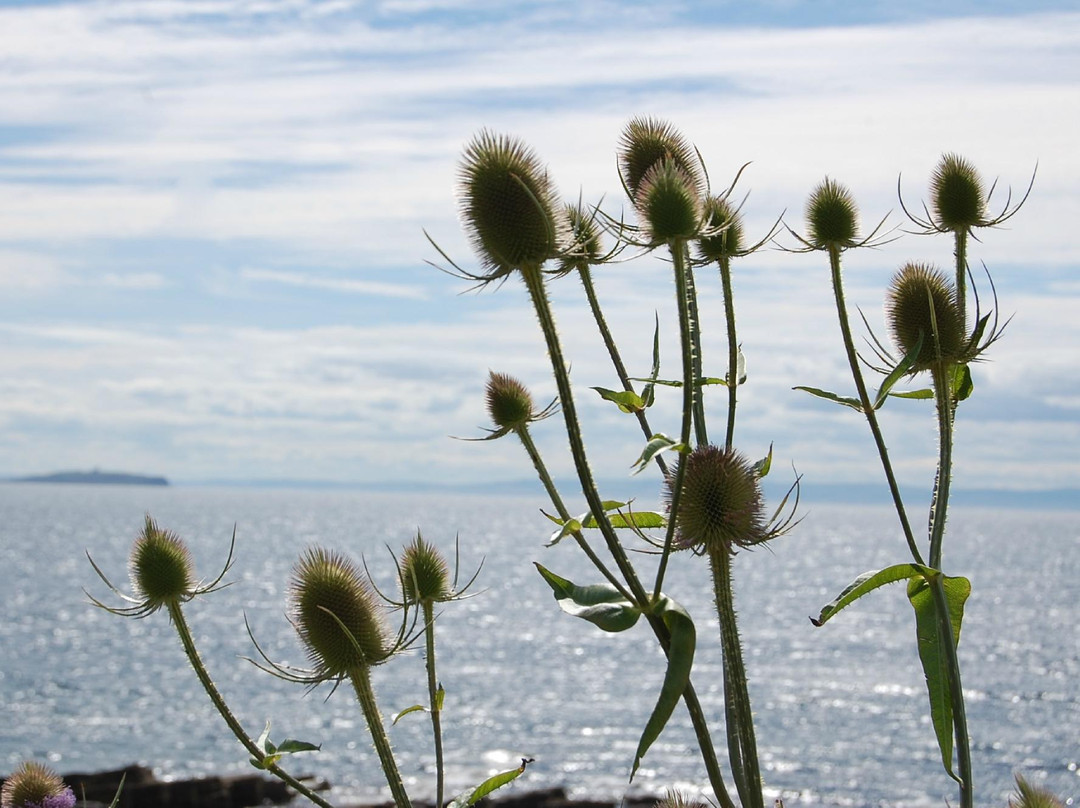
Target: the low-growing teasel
(34, 785)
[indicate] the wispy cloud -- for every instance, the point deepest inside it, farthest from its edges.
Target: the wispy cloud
(346, 285)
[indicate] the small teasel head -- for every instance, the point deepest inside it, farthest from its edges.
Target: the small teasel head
(648, 141)
(921, 304)
(34, 785)
(832, 217)
(720, 504)
(1029, 796)
(425, 575)
(676, 799)
(508, 205)
(957, 196)
(162, 571)
(509, 402)
(724, 224)
(669, 203)
(337, 615)
(586, 248)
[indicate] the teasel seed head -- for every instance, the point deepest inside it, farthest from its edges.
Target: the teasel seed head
(33, 785)
(646, 142)
(508, 205)
(161, 568)
(726, 243)
(337, 615)
(1029, 796)
(585, 247)
(832, 217)
(919, 297)
(957, 196)
(425, 575)
(669, 203)
(509, 402)
(720, 505)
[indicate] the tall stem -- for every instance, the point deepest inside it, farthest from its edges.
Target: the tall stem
(939, 508)
(680, 256)
(613, 352)
(742, 744)
(182, 630)
(433, 699)
(733, 350)
(867, 404)
(956, 692)
(961, 272)
(361, 681)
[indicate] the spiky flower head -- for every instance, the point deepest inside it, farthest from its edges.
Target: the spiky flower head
(725, 223)
(1029, 796)
(509, 402)
(162, 571)
(508, 205)
(425, 575)
(336, 613)
(921, 303)
(646, 142)
(832, 217)
(585, 246)
(957, 195)
(720, 505)
(669, 202)
(34, 785)
(676, 799)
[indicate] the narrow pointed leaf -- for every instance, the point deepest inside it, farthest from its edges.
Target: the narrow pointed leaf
(658, 443)
(291, 746)
(416, 708)
(680, 661)
(264, 737)
(740, 366)
(440, 697)
(761, 468)
(847, 402)
(600, 604)
(707, 380)
(626, 400)
(926, 392)
(868, 582)
(116, 798)
(569, 527)
(932, 652)
(468, 798)
(645, 520)
(897, 373)
(962, 386)
(648, 396)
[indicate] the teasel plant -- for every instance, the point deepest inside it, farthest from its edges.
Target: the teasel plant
(163, 578)
(928, 326)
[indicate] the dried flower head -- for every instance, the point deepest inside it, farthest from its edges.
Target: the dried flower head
(508, 205)
(509, 402)
(957, 197)
(720, 505)
(646, 142)
(724, 224)
(337, 615)
(34, 785)
(669, 203)
(921, 304)
(425, 575)
(162, 571)
(832, 217)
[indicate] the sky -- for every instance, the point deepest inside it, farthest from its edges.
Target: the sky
(213, 262)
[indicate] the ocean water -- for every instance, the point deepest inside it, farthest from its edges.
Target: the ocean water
(841, 710)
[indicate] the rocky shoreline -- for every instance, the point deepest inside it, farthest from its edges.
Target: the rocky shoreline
(143, 790)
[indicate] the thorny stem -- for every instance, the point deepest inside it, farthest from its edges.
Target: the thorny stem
(742, 745)
(733, 350)
(961, 272)
(361, 681)
(433, 699)
(613, 352)
(180, 623)
(867, 404)
(956, 691)
(535, 285)
(679, 256)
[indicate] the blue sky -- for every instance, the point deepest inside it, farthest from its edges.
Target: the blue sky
(212, 263)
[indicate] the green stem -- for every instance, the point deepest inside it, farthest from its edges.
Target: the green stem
(742, 745)
(361, 681)
(956, 693)
(939, 508)
(961, 272)
(613, 352)
(535, 284)
(680, 256)
(733, 350)
(433, 699)
(867, 404)
(218, 701)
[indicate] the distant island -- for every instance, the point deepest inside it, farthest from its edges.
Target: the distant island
(95, 477)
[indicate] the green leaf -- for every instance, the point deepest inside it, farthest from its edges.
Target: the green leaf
(926, 392)
(932, 652)
(272, 754)
(902, 368)
(740, 366)
(600, 604)
(680, 661)
(847, 402)
(577, 524)
(962, 386)
(761, 468)
(416, 708)
(644, 520)
(657, 443)
(868, 582)
(648, 396)
(467, 798)
(119, 788)
(440, 697)
(291, 746)
(707, 380)
(627, 400)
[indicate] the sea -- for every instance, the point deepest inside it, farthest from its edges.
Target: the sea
(841, 711)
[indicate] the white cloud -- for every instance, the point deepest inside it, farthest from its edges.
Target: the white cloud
(333, 284)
